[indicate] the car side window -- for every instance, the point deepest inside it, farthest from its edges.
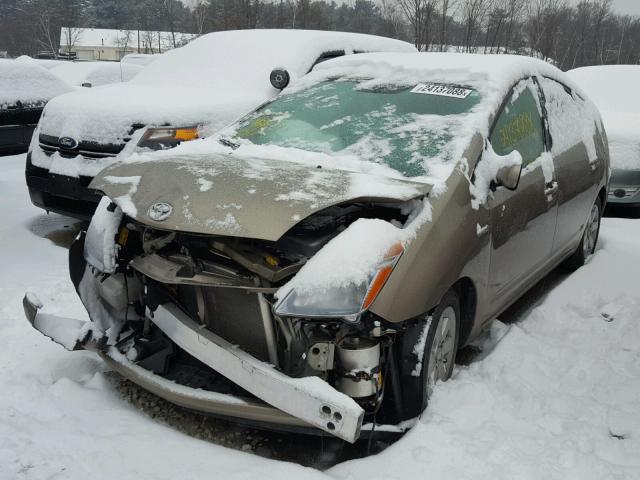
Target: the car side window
(519, 126)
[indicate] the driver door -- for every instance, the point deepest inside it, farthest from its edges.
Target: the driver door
(522, 221)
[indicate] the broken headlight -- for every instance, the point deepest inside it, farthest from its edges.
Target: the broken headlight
(346, 302)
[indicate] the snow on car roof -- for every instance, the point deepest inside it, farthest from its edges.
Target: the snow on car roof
(28, 83)
(96, 73)
(205, 62)
(491, 75)
(612, 88)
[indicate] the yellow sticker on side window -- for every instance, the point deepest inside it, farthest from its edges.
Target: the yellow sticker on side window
(517, 129)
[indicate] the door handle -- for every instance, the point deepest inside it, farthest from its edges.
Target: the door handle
(551, 188)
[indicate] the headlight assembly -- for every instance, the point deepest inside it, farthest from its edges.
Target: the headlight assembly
(346, 302)
(163, 138)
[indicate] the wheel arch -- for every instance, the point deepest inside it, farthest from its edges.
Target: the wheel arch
(468, 296)
(602, 195)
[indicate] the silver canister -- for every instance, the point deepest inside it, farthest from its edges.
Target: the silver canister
(359, 360)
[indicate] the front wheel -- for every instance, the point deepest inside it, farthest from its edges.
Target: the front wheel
(440, 345)
(589, 238)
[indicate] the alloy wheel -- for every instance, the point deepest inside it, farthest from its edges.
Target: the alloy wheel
(591, 232)
(442, 353)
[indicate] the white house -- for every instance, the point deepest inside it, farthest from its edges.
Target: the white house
(105, 44)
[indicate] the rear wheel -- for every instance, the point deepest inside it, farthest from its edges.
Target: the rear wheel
(589, 238)
(442, 331)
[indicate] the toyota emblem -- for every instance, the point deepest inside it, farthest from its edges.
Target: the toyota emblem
(160, 211)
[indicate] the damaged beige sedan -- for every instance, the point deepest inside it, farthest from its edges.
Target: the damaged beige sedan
(317, 266)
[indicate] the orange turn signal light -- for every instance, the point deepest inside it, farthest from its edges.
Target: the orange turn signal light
(186, 134)
(382, 275)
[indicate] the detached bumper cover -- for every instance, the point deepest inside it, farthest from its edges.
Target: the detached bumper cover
(298, 401)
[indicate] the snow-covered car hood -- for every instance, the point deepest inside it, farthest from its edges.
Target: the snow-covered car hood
(231, 196)
(106, 114)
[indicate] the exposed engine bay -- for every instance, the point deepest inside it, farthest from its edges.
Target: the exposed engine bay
(226, 285)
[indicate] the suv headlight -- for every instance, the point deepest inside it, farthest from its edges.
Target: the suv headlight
(346, 302)
(164, 138)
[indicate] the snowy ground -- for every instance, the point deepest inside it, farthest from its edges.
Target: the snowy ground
(554, 394)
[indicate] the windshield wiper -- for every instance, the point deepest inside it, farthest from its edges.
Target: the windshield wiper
(228, 143)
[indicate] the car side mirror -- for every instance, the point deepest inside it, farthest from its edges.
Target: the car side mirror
(279, 78)
(509, 176)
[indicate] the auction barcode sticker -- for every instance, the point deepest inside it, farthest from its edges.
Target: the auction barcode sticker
(442, 90)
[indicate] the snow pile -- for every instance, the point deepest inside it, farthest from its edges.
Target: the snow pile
(45, 63)
(96, 73)
(27, 83)
(213, 80)
(347, 259)
(613, 89)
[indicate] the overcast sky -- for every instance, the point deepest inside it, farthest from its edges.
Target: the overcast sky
(629, 7)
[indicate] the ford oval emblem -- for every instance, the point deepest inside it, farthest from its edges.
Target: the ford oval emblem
(160, 211)
(68, 143)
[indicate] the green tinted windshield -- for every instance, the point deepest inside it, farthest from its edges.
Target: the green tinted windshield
(405, 127)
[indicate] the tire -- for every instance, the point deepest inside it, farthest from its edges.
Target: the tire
(441, 344)
(589, 239)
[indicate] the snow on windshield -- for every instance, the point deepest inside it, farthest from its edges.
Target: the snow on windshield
(28, 84)
(404, 127)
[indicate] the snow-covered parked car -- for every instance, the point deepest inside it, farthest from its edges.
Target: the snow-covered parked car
(612, 87)
(324, 260)
(24, 90)
(189, 91)
(96, 74)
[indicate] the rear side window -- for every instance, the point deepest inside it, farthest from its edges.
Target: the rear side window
(572, 120)
(519, 126)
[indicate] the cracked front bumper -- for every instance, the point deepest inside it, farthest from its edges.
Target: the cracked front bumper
(296, 402)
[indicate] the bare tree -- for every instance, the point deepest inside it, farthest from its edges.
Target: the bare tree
(70, 36)
(200, 12)
(419, 14)
(446, 7)
(472, 14)
(392, 15)
(123, 40)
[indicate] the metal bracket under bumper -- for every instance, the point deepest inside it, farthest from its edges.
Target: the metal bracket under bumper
(297, 401)
(310, 399)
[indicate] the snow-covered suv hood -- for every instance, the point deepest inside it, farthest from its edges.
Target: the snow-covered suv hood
(106, 114)
(231, 196)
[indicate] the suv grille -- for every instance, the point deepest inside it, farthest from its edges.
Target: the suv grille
(50, 145)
